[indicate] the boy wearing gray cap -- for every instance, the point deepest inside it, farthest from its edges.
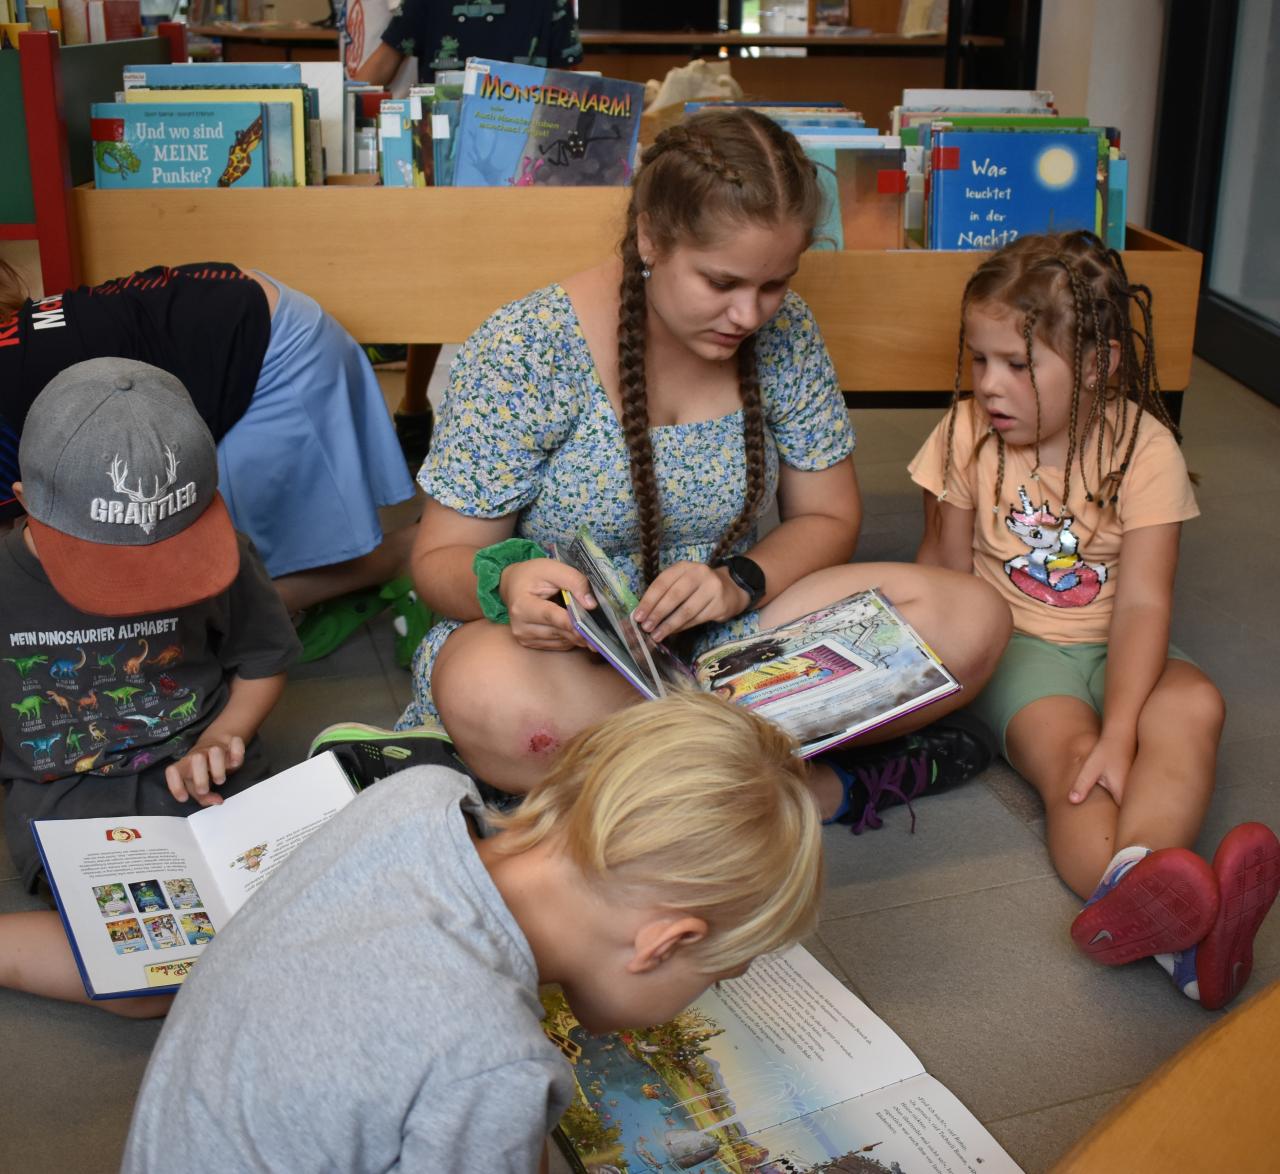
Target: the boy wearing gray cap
(141, 642)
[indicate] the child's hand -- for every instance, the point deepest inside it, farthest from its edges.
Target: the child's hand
(687, 594)
(531, 591)
(1107, 767)
(205, 766)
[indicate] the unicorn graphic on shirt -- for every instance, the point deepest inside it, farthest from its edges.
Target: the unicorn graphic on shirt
(1052, 571)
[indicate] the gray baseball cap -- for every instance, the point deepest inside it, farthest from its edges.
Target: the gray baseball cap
(120, 480)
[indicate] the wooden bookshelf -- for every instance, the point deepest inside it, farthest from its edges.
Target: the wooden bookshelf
(428, 265)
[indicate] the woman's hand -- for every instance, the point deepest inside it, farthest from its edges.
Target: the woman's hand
(531, 591)
(688, 594)
(1107, 767)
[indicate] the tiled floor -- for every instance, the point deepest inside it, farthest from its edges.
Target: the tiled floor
(956, 935)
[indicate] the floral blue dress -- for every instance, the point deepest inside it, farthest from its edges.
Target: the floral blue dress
(527, 429)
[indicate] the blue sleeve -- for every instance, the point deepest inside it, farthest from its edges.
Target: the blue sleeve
(510, 404)
(803, 403)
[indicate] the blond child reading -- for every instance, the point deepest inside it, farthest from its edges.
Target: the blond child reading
(375, 1005)
(1058, 471)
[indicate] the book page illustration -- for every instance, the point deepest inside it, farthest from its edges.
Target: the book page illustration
(783, 1071)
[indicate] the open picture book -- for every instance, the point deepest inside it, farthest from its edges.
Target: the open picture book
(141, 896)
(824, 678)
(782, 1070)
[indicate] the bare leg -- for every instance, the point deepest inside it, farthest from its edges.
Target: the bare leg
(931, 599)
(420, 362)
(35, 957)
(1048, 742)
(1171, 781)
(509, 709)
(387, 561)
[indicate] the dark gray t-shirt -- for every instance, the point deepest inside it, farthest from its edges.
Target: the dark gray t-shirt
(372, 1007)
(102, 695)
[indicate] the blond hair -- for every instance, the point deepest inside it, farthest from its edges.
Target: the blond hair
(693, 803)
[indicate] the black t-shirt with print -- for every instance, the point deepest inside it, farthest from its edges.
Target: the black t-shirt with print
(443, 35)
(208, 324)
(109, 696)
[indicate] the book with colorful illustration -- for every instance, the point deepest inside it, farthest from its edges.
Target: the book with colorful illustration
(141, 895)
(825, 677)
(783, 1069)
(525, 125)
(180, 145)
(989, 187)
(294, 98)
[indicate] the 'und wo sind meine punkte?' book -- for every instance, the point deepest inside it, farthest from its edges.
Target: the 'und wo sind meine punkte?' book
(141, 896)
(781, 1071)
(825, 677)
(181, 145)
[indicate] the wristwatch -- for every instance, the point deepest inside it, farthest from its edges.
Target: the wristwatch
(747, 574)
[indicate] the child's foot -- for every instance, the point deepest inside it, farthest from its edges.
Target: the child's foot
(1247, 865)
(326, 626)
(883, 775)
(1158, 904)
(413, 619)
(368, 753)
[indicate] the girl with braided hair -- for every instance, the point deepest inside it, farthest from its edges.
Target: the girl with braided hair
(666, 399)
(1115, 728)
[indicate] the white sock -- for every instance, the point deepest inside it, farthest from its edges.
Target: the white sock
(1122, 861)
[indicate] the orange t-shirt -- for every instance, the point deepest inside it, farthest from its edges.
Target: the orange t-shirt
(1057, 569)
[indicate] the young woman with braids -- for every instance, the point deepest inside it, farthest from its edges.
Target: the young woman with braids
(1060, 471)
(665, 399)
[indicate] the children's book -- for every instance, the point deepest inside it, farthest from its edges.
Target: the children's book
(212, 74)
(866, 185)
(525, 125)
(782, 1070)
(179, 145)
(824, 678)
(142, 895)
(294, 97)
(988, 188)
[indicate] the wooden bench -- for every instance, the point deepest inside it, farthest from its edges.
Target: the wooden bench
(428, 265)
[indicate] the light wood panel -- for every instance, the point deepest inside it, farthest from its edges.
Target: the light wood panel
(428, 265)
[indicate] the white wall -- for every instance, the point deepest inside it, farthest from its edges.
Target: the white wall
(1101, 58)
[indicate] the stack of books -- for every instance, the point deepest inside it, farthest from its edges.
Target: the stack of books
(201, 125)
(985, 167)
(502, 124)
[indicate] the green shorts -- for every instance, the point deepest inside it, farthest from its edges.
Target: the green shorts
(1032, 668)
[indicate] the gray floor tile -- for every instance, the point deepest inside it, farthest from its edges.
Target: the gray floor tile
(304, 711)
(1037, 1140)
(988, 990)
(965, 840)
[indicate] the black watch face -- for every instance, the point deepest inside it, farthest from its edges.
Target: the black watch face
(748, 575)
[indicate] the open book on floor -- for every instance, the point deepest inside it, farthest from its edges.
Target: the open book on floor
(782, 1070)
(141, 896)
(825, 677)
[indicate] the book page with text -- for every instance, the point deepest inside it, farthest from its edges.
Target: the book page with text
(245, 839)
(136, 897)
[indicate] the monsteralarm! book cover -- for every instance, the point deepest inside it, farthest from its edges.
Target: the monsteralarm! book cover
(522, 125)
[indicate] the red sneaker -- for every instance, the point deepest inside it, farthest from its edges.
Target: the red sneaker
(1247, 865)
(1164, 903)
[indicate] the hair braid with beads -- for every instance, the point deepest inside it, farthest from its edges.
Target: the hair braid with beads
(1071, 292)
(721, 168)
